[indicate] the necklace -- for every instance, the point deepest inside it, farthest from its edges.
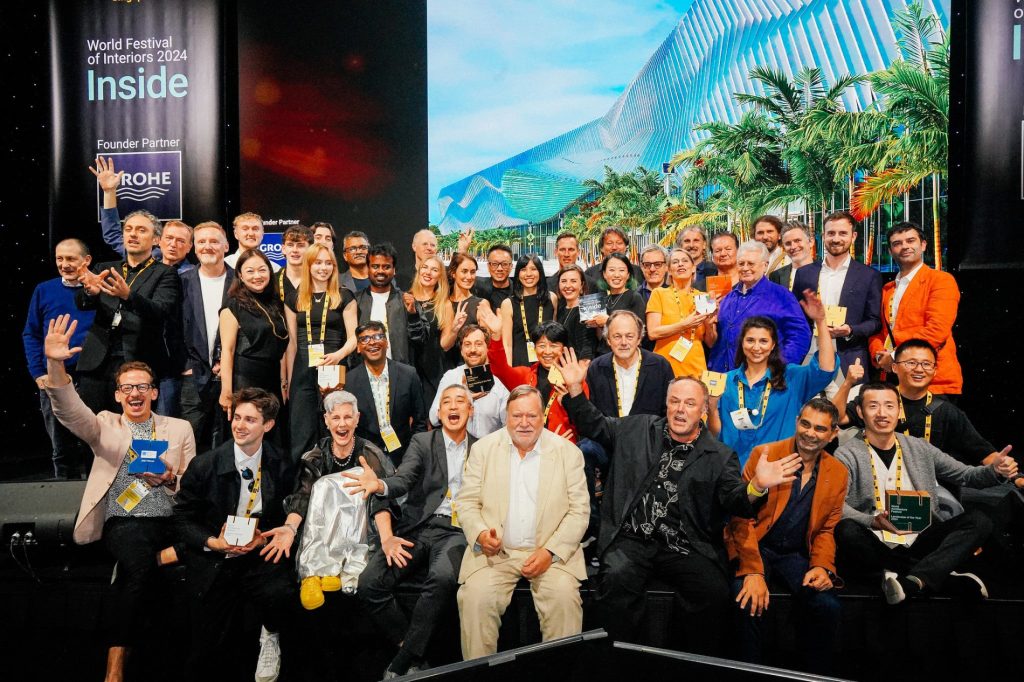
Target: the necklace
(273, 327)
(320, 298)
(348, 458)
(613, 301)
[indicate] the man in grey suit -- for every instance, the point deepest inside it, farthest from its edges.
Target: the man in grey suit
(426, 536)
(911, 564)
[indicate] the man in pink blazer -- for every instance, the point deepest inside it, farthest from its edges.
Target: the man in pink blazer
(130, 512)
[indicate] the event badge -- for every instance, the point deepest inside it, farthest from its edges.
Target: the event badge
(835, 316)
(132, 495)
(455, 514)
(741, 419)
(704, 304)
(391, 441)
(316, 353)
(117, 319)
(330, 376)
(555, 376)
(681, 348)
(144, 456)
(715, 381)
(240, 530)
(531, 351)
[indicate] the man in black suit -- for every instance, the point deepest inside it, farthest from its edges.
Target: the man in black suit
(629, 380)
(204, 292)
(384, 302)
(245, 477)
(841, 280)
(798, 243)
(390, 395)
(426, 535)
(136, 301)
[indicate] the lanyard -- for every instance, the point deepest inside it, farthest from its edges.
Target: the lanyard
(551, 401)
(255, 490)
(618, 389)
(280, 285)
(927, 419)
(522, 311)
(764, 398)
(792, 279)
(124, 271)
(323, 319)
(879, 503)
(384, 419)
(682, 316)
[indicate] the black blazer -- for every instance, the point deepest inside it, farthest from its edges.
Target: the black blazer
(781, 276)
(208, 494)
(154, 301)
(194, 321)
(651, 389)
(403, 327)
(705, 269)
(862, 296)
(423, 478)
(408, 410)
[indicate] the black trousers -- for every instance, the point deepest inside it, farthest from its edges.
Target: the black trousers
(136, 593)
(438, 547)
(202, 411)
(629, 563)
(939, 549)
(306, 422)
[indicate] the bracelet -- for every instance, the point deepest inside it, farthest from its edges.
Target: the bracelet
(752, 490)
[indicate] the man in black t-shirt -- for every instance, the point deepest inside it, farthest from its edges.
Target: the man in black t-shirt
(498, 287)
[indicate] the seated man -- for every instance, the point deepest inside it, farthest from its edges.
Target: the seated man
(629, 380)
(130, 512)
(869, 543)
(671, 487)
(245, 477)
(790, 541)
(427, 537)
(523, 506)
(489, 406)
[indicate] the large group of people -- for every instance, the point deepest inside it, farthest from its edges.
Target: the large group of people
(731, 417)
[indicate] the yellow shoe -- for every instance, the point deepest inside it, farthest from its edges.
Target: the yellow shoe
(330, 583)
(311, 594)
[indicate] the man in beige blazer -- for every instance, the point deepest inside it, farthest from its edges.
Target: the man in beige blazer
(524, 507)
(131, 512)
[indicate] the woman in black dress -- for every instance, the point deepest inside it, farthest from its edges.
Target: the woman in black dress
(572, 284)
(530, 304)
(617, 280)
(324, 329)
(429, 291)
(461, 280)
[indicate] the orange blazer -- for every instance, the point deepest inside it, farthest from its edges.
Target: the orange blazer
(742, 535)
(927, 311)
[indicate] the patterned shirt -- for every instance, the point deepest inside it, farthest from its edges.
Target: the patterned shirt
(156, 503)
(656, 515)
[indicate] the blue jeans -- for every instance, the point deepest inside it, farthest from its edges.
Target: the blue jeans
(70, 455)
(168, 403)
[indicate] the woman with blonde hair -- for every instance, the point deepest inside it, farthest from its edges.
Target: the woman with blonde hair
(429, 293)
(673, 322)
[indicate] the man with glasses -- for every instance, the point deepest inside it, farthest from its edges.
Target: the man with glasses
(694, 241)
(654, 265)
(498, 287)
(355, 252)
(131, 512)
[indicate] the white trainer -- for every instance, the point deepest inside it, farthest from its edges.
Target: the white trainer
(268, 666)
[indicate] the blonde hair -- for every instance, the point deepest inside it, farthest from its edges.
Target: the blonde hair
(304, 297)
(442, 309)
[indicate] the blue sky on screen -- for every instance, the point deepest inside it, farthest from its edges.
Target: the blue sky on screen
(505, 75)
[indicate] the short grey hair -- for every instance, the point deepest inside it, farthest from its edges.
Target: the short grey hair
(158, 228)
(798, 225)
(624, 313)
(654, 247)
(338, 398)
(458, 387)
(755, 246)
(692, 228)
(521, 392)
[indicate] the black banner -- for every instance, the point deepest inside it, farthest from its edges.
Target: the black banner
(141, 83)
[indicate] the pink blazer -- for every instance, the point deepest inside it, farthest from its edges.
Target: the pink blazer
(109, 436)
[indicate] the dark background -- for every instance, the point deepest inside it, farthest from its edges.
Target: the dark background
(359, 73)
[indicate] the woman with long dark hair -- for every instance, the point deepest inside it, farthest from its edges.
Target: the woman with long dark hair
(461, 280)
(572, 284)
(618, 282)
(763, 395)
(530, 304)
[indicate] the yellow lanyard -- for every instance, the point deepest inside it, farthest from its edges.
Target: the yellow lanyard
(879, 502)
(618, 389)
(280, 286)
(792, 279)
(255, 490)
(522, 311)
(764, 399)
(551, 401)
(927, 418)
(892, 310)
(384, 419)
(124, 271)
(682, 315)
(323, 319)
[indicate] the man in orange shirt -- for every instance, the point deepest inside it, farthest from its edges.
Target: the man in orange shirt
(922, 303)
(790, 541)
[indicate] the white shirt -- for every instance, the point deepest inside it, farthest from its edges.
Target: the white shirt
(380, 386)
(242, 462)
(233, 258)
(523, 485)
(212, 289)
(379, 313)
(626, 380)
(830, 282)
(455, 455)
(488, 412)
(890, 484)
(902, 282)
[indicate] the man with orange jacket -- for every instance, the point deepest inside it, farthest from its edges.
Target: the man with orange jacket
(922, 303)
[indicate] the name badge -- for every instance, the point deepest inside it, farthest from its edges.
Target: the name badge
(741, 419)
(144, 456)
(681, 348)
(715, 381)
(835, 316)
(316, 353)
(391, 441)
(132, 495)
(330, 376)
(240, 530)
(455, 513)
(555, 376)
(116, 321)
(531, 351)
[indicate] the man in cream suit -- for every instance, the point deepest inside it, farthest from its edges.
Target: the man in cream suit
(524, 508)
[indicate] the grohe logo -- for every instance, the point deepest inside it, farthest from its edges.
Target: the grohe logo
(271, 247)
(151, 181)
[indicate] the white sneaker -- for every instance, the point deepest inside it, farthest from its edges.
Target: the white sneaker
(268, 666)
(892, 589)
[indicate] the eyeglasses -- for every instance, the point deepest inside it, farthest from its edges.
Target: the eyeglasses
(926, 365)
(141, 388)
(651, 266)
(369, 338)
(349, 249)
(248, 476)
(499, 266)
